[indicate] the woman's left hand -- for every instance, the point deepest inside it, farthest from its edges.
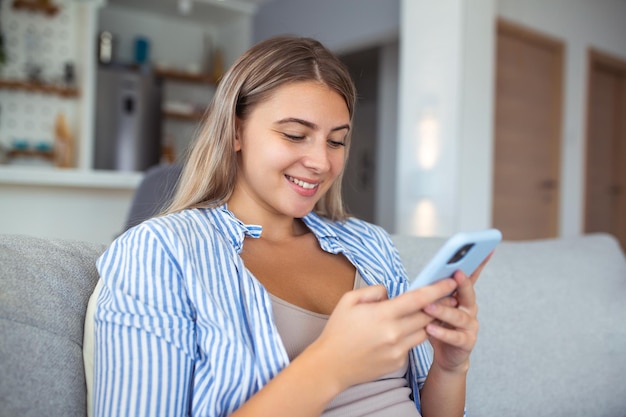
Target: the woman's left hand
(455, 329)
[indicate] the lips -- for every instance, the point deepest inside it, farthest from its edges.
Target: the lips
(303, 184)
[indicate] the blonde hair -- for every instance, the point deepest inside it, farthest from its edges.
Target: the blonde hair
(210, 172)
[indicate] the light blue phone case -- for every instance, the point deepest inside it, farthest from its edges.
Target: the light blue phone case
(448, 259)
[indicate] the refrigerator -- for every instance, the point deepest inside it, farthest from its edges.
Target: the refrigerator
(127, 119)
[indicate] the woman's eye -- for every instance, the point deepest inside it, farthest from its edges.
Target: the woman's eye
(336, 144)
(293, 137)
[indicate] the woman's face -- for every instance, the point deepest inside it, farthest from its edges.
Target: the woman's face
(291, 149)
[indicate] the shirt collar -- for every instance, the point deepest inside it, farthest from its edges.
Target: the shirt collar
(318, 225)
(325, 234)
(237, 230)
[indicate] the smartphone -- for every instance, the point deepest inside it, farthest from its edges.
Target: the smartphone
(464, 251)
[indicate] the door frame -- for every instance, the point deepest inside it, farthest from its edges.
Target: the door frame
(595, 57)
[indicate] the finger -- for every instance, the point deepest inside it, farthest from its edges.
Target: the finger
(412, 329)
(369, 294)
(457, 318)
(449, 301)
(413, 301)
(465, 294)
(453, 337)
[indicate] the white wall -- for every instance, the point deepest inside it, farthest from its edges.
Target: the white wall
(445, 118)
(87, 16)
(387, 136)
(166, 36)
(580, 24)
(235, 37)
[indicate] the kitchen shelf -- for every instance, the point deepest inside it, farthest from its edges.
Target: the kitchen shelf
(36, 87)
(68, 177)
(45, 7)
(30, 153)
(177, 75)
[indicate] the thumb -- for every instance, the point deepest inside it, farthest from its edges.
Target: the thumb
(370, 294)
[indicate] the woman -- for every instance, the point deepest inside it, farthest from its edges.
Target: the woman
(255, 294)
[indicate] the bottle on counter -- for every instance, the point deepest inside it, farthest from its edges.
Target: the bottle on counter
(63, 143)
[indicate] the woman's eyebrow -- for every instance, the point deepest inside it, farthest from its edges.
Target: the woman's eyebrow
(310, 125)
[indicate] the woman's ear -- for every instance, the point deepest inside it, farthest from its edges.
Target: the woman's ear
(238, 133)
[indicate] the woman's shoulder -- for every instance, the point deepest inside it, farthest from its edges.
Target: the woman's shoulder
(195, 220)
(185, 227)
(355, 223)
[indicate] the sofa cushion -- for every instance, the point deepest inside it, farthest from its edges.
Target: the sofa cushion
(552, 340)
(44, 289)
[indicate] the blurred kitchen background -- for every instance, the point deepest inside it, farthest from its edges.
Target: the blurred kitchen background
(471, 114)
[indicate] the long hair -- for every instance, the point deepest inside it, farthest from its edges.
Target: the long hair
(210, 172)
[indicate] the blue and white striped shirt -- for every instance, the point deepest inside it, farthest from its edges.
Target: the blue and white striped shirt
(183, 328)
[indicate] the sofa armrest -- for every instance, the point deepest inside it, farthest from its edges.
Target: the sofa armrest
(44, 289)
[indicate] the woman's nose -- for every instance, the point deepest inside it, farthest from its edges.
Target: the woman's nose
(316, 157)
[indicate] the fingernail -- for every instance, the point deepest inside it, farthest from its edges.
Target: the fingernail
(432, 329)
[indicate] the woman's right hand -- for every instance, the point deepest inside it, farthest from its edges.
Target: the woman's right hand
(369, 335)
(366, 337)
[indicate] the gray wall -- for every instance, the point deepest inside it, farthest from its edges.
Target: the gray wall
(342, 25)
(349, 26)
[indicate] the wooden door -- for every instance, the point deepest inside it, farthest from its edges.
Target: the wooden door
(605, 190)
(527, 133)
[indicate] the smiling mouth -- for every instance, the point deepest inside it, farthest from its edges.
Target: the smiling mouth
(303, 184)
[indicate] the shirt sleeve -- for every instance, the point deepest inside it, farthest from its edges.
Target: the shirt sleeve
(144, 331)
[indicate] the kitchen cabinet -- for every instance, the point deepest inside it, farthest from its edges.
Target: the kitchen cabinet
(189, 112)
(45, 7)
(180, 50)
(177, 75)
(227, 24)
(84, 203)
(37, 87)
(45, 49)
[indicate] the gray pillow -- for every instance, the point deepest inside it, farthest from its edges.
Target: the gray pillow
(44, 289)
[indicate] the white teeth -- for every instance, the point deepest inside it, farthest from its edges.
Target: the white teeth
(302, 183)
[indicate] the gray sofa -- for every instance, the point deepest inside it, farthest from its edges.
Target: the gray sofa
(552, 339)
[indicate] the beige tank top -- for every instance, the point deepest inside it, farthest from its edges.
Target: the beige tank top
(388, 396)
